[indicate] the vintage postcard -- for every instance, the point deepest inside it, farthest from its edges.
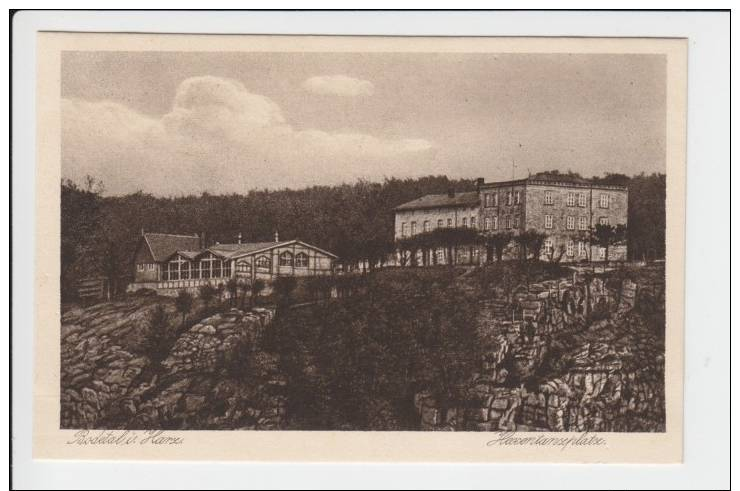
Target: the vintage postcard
(306, 248)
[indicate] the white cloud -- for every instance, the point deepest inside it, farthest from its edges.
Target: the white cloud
(339, 85)
(219, 137)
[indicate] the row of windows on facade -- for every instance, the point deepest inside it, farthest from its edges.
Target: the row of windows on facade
(440, 224)
(514, 198)
(182, 269)
(570, 250)
(509, 222)
(570, 222)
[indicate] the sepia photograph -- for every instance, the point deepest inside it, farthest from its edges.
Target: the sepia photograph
(359, 248)
(370, 249)
(468, 242)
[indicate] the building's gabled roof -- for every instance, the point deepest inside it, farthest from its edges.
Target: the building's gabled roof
(255, 247)
(189, 254)
(233, 250)
(470, 198)
(162, 246)
(193, 255)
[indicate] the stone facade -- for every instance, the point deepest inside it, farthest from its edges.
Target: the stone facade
(562, 207)
(503, 207)
(414, 220)
(573, 209)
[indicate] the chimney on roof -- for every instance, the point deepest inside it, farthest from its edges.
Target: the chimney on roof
(202, 240)
(239, 238)
(277, 237)
(478, 184)
(142, 231)
(451, 192)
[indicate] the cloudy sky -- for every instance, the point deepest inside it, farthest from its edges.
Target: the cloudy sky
(180, 123)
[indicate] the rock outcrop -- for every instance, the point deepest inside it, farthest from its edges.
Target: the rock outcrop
(212, 378)
(566, 355)
(99, 361)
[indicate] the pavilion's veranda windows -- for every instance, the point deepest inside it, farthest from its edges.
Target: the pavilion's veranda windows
(301, 260)
(243, 267)
(262, 264)
(205, 269)
(286, 259)
(213, 267)
(177, 269)
(210, 267)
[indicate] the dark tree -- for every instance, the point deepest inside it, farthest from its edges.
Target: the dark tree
(449, 238)
(258, 286)
(232, 286)
(530, 242)
(184, 304)
(284, 286)
(81, 216)
(646, 212)
(498, 242)
(555, 254)
(607, 235)
(319, 287)
(159, 336)
(207, 293)
(245, 286)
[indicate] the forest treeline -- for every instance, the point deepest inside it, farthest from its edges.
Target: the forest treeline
(99, 233)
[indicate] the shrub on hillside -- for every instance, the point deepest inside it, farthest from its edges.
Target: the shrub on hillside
(159, 335)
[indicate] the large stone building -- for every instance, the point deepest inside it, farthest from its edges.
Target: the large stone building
(435, 211)
(564, 208)
(169, 263)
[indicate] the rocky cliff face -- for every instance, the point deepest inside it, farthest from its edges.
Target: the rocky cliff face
(582, 354)
(212, 377)
(99, 363)
(575, 355)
